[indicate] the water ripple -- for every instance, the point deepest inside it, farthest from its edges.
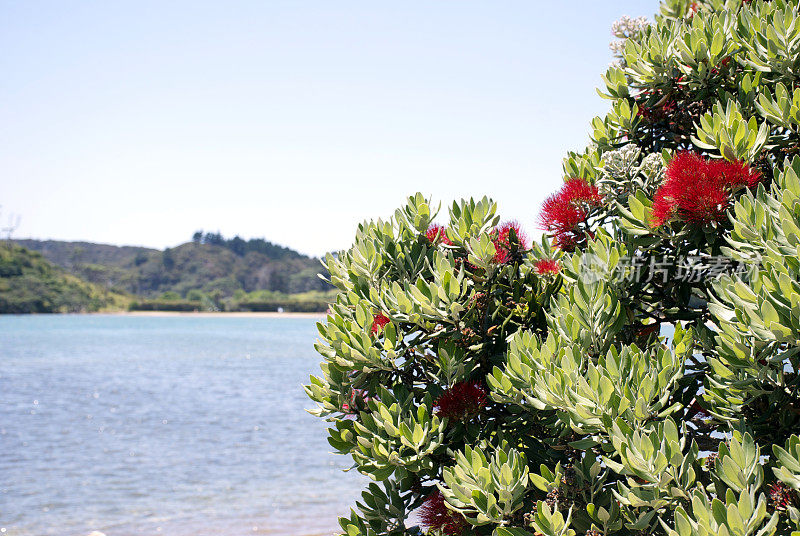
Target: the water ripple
(166, 426)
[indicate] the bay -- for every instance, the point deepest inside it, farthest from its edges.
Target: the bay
(179, 426)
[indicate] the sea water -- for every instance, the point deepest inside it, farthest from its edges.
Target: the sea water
(138, 426)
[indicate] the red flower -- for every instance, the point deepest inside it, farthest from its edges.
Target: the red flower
(580, 191)
(502, 241)
(461, 401)
(436, 235)
(661, 110)
(546, 266)
(378, 322)
(735, 174)
(781, 496)
(559, 215)
(699, 190)
(434, 514)
(564, 212)
(663, 209)
(567, 241)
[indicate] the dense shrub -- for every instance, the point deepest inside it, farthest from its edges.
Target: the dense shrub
(633, 372)
(164, 305)
(288, 305)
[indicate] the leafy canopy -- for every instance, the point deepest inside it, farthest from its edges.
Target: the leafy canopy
(636, 370)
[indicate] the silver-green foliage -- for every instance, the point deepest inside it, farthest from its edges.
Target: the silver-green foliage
(596, 419)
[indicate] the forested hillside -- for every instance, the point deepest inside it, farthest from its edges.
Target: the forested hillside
(209, 265)
(31, 284)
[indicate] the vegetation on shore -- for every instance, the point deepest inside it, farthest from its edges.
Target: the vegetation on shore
(259, 301)
(31, 284)
(209, 263)
(210, 273)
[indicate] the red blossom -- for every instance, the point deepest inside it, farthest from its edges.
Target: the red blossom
(500, 256)
(699, 190)
(580, 191)
(436, 235)
(502, 241)
(568, 241)
(735, 174)
(461, 401)
(564, 212)
(546, 266)
(781, 496)
(707, 202)
(663, 209)
(659, 111)
(378, 322)
(559, 215)
(434, 514)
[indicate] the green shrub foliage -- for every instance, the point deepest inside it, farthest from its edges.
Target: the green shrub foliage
(633, 372)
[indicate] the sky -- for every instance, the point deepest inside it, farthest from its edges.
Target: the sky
(139, 123)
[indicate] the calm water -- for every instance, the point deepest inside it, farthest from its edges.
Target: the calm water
(164, 426)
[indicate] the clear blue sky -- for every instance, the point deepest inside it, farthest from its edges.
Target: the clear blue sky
(141, 122)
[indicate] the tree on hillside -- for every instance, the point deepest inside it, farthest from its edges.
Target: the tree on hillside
(241, 246)
(237, 245)
(634, 372)
(168, 259)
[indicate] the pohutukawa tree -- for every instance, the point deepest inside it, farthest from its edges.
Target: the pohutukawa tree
(633, 372)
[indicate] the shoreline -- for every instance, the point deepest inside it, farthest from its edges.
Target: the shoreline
(209, 314)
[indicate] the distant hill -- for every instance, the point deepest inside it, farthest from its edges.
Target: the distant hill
(209, 265)
(31, 284)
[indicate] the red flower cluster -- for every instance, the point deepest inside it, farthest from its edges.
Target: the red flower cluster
(435, 515)
(378, 322)
(781, 496)
(663, 107)
(435, 235)
(564, 212)
(546, 267)
(461, 401)
(699, 190)
(502, 241)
